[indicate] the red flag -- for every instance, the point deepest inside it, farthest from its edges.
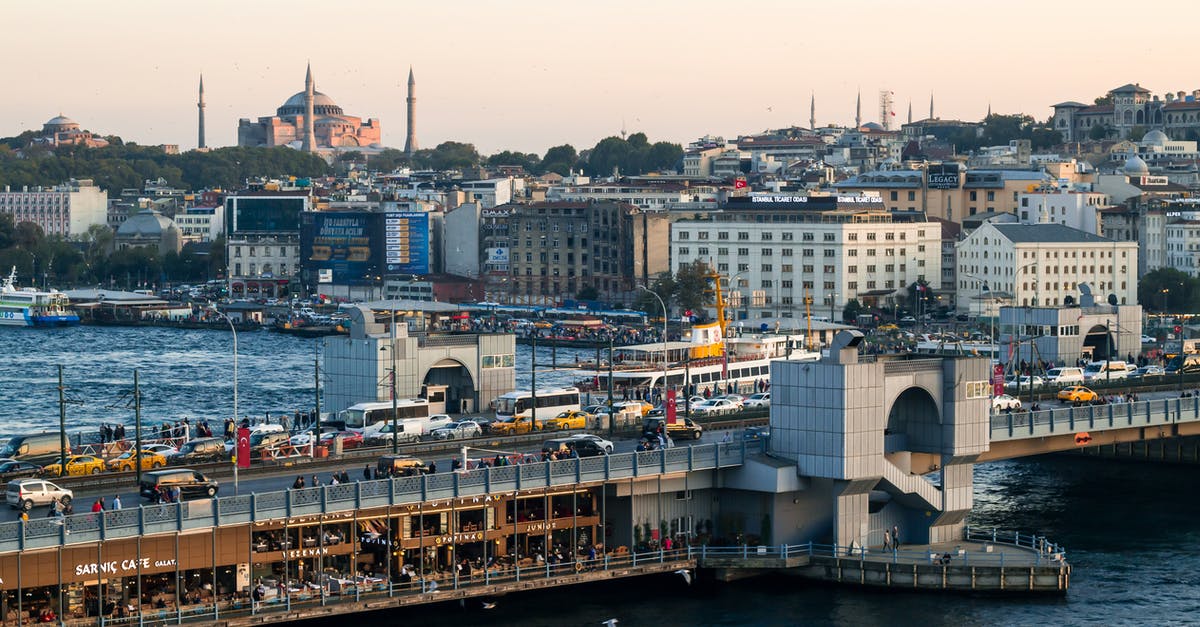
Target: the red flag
(243, 447)
(739, 183)
(671, 411)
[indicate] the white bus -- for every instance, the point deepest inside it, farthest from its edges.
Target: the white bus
(373, 416)
(550, 403)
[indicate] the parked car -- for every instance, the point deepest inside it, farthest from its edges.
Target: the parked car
(761, 399)
(19, 470)
(1022, 382)
(756, 433)
(77, 466)
(25, 494)
(385, 435)
(607, 445)
(400, 466)
(350, 439)
(1005, 401)
(166, 450)
(198, 451)
(714, 407)
(736, 399)
(460, 430)
(148, 460)
(579, 446)
(1148, 339)
(1148, 371)
(1077, 394)
(1066, 375)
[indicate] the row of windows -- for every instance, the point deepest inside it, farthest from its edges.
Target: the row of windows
(788, 236)
(266, 251)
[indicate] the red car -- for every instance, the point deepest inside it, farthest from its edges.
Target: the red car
(350, 439)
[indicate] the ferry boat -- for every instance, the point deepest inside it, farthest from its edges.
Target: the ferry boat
(29, 307)
(706, 358)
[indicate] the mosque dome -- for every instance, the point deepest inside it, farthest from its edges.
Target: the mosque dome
(145, 223)
(1135, 166)
(322, 105)
(1154, 138)
(871, 126)
(60, 123)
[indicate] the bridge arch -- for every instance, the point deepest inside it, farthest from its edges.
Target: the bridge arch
(460, 385)
(914, 422)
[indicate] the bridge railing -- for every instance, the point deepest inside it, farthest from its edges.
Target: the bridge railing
(173, 517)
(1070, 419)
(1034, 542)
(1042, 552)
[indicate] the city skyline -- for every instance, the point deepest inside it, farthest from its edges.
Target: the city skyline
(530, 75)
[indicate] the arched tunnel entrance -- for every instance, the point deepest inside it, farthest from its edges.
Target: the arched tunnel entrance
(459, 395)
(914, 423)
(1098, 344)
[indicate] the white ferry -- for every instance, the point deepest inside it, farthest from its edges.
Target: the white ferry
(29, 307)
(705, 359)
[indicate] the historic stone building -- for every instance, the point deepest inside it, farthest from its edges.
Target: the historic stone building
(310, 114)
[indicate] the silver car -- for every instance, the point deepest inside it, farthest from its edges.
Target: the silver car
(25, 494)
(457, 431)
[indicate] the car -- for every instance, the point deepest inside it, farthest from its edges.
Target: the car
(148, 460)
(1148, 339)
(887, 328)
(1022, 382)
(436, 421)
(577, 447)
(657, 412)
(642, 406)
(350, 439)
(607, 445)
(756, 433)
(77, 466)
(460, 430)
(1005, 401)
(736, 399)
(908, 320)
(385, 434)
(190, 483)
(25, 494)
(166, 450)
(593, 409)
(681, 427)
(714, 407)
(484, 422)
(199, 450)
(304, 437)
(264, 427)
(761, 399)
(1148, 371)
(19, 470)
(1077, 394)
(569, 420)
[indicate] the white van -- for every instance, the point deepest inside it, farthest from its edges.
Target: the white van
(1105, 371)
(1067, 375)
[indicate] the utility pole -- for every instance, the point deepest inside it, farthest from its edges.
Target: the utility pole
(316, 431)
(137, 425)
(62, 423)
(611, 417)
(392, 350)
(532, 383)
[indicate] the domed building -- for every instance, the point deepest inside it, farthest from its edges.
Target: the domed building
(61, 130)
(1135, 166)
(149, 228)
(330, 128)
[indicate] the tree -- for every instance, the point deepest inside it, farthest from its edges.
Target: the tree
(561, 159)
(663, 285)
(387, 160)
(691, 287)
(529, 162)
(587, 292)
(1168, 289)
(922, 298)
(1098, 132)
(447, 155)
(852, 310)
(1103, 100)
(1136, 134)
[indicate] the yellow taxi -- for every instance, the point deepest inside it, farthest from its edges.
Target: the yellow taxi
(887, 328)
(1077, 394)
(568, 420)
(516, 425)
(641, 406)
(148, 459)
(77, 466)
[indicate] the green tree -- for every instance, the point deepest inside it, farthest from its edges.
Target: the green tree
(560, 159)
(663, 285)
(387, 160)
(1168, 290)
(1098, 132)
(850, 313)
(587, 292)
(692, 287)
(528, 161)
(1104, 100)
(1136, 134)
(447, 155)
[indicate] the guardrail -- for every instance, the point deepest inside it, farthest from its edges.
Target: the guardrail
(1014, 538)
(1065, 420)
(177, 517)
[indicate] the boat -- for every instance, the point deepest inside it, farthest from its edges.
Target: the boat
(30, 307)
(707, 358)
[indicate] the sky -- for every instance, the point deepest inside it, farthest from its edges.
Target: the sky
(528, 75)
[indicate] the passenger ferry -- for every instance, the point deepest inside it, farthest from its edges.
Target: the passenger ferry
(29, 307)
(706, 358)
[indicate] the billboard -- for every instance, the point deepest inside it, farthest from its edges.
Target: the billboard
(264, 214)
(406, 242)
(943, 176)
(341, 247)
(497, 259)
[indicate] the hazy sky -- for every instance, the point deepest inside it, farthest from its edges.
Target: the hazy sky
(529, 75)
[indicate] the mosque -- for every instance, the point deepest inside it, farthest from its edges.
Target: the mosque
(313, 122)
(63, 131)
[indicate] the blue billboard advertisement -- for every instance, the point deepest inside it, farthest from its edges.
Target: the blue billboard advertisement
(406, 242)
(340, 247)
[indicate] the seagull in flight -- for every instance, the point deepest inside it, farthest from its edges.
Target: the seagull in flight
(687, 576)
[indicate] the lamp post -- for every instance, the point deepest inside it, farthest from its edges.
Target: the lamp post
(1165, 291)
(232, 328)
(664, 339)
(392, 350)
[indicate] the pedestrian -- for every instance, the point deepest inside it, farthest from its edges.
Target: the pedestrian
(315, 482)
(333, 478)
(98, 506)
(367, 472)
(116, 502)
(887, 539)
(895, 536)
(298, 484)
(345, 476)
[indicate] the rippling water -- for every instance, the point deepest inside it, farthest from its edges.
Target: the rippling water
(1132, 530)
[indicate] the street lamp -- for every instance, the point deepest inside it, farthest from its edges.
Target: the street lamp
(392, 350)
(233, 328)
(664, 339)
(1165, 291)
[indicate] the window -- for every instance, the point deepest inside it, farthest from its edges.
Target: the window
(787, 267)
(895, 195)
(743, 267)
(787, 236)
(721, 252)
(829, 252)
(852, 237)
(685, 235)
(828, 237)
(889, 268)
(766, 267)
(703, 252)
(766, 283)
(683, 250)
(851, 269)
(871, 236)
(786, 252)
(889, 236)
(807, 268)
(723, 267)
(703, 235)
(743, 236)
(807, 252)
(742, 252)
(723, 235)
(852, 285)
(871, 269)
(829, 270)
(808, 237)
(828, 285)
(766, 236)
(912, 195)
(853, 252)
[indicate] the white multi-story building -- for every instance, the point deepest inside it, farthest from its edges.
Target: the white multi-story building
(664, 195)
(776, 250)
(1078, 210)
(200, 224)
(1041, 265)
(66, 210)
(1183, 244)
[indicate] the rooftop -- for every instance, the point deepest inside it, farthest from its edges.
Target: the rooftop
(1046, 233)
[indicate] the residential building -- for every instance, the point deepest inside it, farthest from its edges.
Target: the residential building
(1041, 265)
(201, 224)
(641, 193)
(1078, 210)
(263, 240)
(776, 250)
(947, 191)
(67, 210)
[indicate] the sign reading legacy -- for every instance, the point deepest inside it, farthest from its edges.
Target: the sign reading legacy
(943, 177)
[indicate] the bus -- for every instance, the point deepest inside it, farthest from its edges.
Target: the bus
(370, 417)
(550, 403)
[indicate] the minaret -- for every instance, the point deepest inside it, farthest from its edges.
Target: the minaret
(858, 111)
(989, 110)
(910, 110)
(812, 112)
(310, 143)
(930, 105)
(200, 106)
(410, 141)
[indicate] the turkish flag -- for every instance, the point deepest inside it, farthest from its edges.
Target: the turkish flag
(243, 447)
(739, 183)
(670, 403)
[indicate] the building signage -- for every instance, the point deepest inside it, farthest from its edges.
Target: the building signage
(943, 177)
(456, 538)
(299, 553)
(1155, 180)
(120, 566)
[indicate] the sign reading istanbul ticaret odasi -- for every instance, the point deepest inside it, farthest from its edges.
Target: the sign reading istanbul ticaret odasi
(406, 242)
